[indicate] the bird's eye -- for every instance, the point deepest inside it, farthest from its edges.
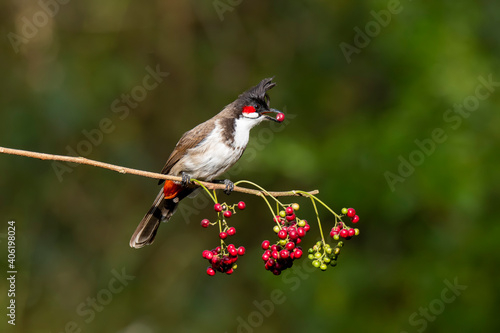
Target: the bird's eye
(257, 107)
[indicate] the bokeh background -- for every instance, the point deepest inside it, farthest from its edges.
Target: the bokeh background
(351, 120)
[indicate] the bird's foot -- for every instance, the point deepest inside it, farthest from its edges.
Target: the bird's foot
(229, 186)
(186, 179)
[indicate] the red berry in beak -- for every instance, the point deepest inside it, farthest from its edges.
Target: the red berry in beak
(280, 117)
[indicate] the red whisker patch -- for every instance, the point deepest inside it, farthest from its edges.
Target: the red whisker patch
(248, 109)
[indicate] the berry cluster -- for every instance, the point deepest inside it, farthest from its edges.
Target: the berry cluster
(290, 230)
(341, 230)
(323, 254)
(223, 258)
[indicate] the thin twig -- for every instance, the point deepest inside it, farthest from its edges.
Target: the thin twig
(120, 169)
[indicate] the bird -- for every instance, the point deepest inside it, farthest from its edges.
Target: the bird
(206, 152)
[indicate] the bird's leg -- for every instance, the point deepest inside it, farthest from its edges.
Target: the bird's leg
(186, 179)
(229, 185)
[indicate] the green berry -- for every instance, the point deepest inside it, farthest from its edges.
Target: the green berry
(310, 256)
(340, 244)
(333, 263)
(344, 210)
(316, 263)
(318, 244)
(301, 223)
(356, 231)
(336, 237)
(282, 242)
(310, 250)
(276, 229)
(337, 250)
(326, 260)
(282, 213)
(317, 255)
(323, 267)
(329, 250)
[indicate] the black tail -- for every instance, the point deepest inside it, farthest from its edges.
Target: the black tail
(161, 211)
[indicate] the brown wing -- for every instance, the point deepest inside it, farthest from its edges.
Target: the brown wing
(189, 140)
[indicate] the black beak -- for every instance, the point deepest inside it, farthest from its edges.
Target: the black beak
(264, 113)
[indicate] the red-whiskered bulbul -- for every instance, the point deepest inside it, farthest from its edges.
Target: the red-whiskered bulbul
(204, 153)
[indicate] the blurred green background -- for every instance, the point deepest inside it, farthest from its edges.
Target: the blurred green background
(352, 120)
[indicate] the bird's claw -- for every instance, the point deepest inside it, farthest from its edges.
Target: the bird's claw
(186, 179)
(229, 186)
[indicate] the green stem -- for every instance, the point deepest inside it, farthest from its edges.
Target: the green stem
(206, 189)
(262, 196)
(321, 202)
(261, 189)
(319, 222)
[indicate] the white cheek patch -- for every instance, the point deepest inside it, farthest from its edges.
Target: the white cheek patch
(251, 115)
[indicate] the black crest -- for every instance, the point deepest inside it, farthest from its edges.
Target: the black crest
(259, 92)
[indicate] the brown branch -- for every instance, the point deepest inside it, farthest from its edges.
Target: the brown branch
(120, 169)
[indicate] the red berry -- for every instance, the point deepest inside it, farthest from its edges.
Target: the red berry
(265, 245)
(351, 212)
(210, 271)
(241, 205)
(284, 254)
(344, 233)
(218, 207)
(275, 254)
(229, 271)
(282, 234)
(289, 210)
(223, 235)
(336, 229)
(293, 234)
(241, 251)
(205, 253)
(290, 217)
(280, 117)
(232, 251)
(205, 223)
(209, 255)
(355, 219)
(298, 240)
(297, 253)
(301, 232)
(307, 227)
(231, 231)
(351, 232)
(266, 256)
(228, 213)
(290, 245)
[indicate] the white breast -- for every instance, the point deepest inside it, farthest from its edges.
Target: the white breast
(212, 157)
